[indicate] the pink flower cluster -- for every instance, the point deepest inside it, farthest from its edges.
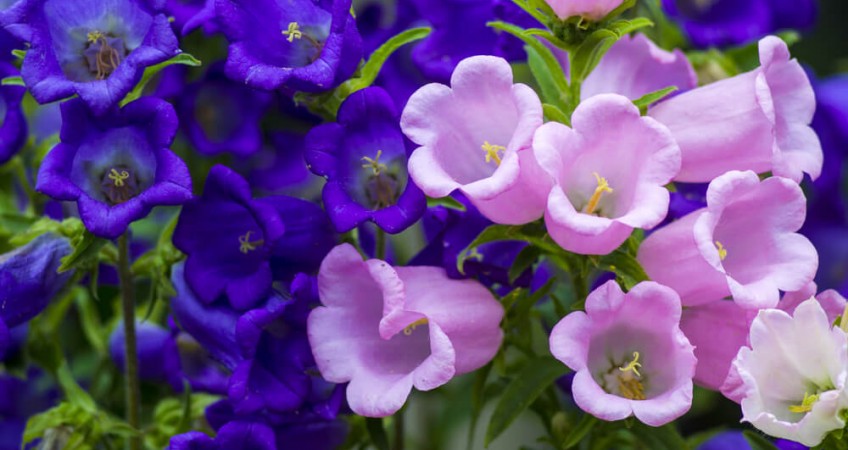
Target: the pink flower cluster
(593, 182)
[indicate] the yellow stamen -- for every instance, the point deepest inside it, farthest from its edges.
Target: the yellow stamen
(374, 164)
(806, 404)
(722, 252)
(633, 365)
(411, 327)
(603, 187)
(118, 177)
(94, 36)
(293, 32)
(493, 152)
(246, 245)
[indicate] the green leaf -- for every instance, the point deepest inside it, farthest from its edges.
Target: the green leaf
(550, 90)
(377, 433)
(650, 98)
(580, 431)
(536, 376)
(540, 10)
(92, 328)
(590, 52)
(477, 400)
(554, 69)
(757, 441)
(150, 72)
(13, 81)
(553, 113)
(20, 54)
(523, 261)
(86, 250)
(532, 233)
(446, 202)
(327, 105)
(622, 27)
(659, 438)
(626, 267)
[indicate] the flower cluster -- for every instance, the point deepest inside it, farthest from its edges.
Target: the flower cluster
(260, 224)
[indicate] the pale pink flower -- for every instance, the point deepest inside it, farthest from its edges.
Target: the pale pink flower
(629, 354)
(609, 174)
(475, 136)
(590, 9)
(386, 329)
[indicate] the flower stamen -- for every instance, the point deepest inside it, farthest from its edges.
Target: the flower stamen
(411, 327)
(293, 32)
(493, 152)
(118, 177)
(603, 187)
(374, 164)
(806, 404)
(246, 245)
(107, 57)
(633, 365)
(629, 384)
(722, 252)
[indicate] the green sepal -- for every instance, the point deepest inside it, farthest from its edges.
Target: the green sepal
(650, 98)
(445, 202)
(86, 252)
(15, 80)
(757, 441)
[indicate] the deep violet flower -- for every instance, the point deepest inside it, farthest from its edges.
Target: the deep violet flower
(758, 121)
(305, 45)
(589, 9)
(227, 237)
(20, 399)
(222, 116)
(791, 380)
(13, 125)
(629, 354)
(735, 440)
(386, 329)
(29, 281)
(158, 354)
(116, 167)
(192, 14)
(744, 244)
(609, 172)
(475, 137)
(95, 49)
(729, 22)
(364, 157)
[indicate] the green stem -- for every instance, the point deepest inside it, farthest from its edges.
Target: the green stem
(380, 250)
(133, 392)
(398, 443)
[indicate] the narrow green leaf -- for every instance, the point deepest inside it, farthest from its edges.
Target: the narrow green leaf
(523, 261)
(532, 233)
(86, 249)
(626, 267)
(150, 72)
(550, 91)
(580, 431)
(590, 52)
(13, 81)
(477, 400)
(660, 438)
(446, 202)
(550, 62)
(553, 113)
(757, 441)
(540, 10)
(650, 98)
(536, 376)
(377, 433)
(623, 27)
(624, 6)
(92, 328)
(20, 54)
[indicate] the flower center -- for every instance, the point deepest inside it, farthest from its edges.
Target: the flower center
(411, 327)
(806, 404)
(246, 245)
(629, 384)
(493, 152)
(722, 252)
(103, 53)
(118, 185)
(295, 32)
(602, 188)
(381, 188)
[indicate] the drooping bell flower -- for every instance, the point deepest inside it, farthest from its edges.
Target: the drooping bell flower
(588, 9)
(13, 125)
(634, 66)
(304, 45)
(20, 400)
(158, 354)
(95, 49)
(117, 167)
(609, 174)
(386, 329)
(29, 281)
(475, 137)
(791, 380)
(744, 244)
(363, 156)
(736, 440)
(731, 22)
(757, 121)
(190, 15)
(222, 116)
(629, 354)
(227, 237)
